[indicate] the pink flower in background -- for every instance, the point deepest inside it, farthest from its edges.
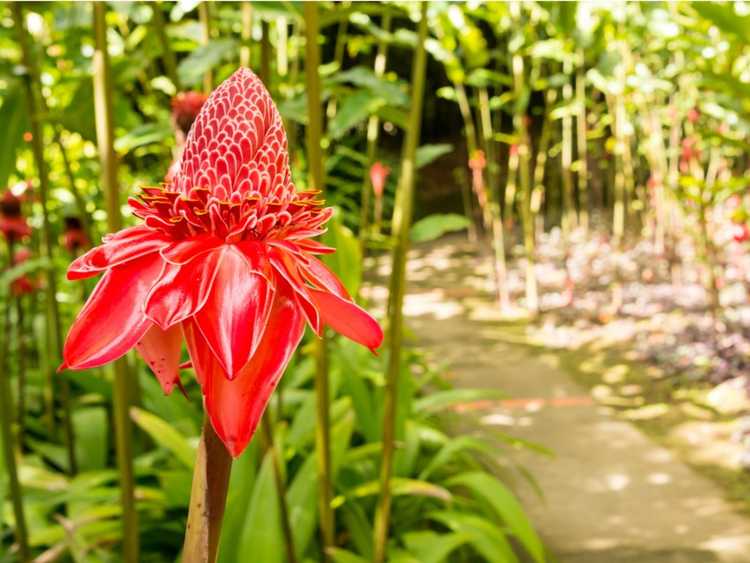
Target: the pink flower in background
(13, 224)
(74, 237)
(477, 164)
(378, 175)
(23, 284)
(224, 260)
(185, 109)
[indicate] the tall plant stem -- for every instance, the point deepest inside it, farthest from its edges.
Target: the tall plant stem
(314, 135)
(265, 53)
(338, 57)
(566, 156)
(37, 110)
(108, 160)
(582, 143)
(524, 163)
(208, 499)
(246, 34)
(540, 164)
(402, 216)
(204, 15)
(6, 427)
(373, 134)
(278, 477)
(167, 54)
(493, 215)
(21, 354)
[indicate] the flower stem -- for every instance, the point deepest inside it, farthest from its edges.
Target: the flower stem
(401, 225)
(6, 427)
(373, 133)
(315, 160)
(246, 34)
(37, 109)
(167, 54)
(105, 138)
(208, 499)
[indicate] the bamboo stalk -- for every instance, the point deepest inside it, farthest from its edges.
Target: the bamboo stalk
(36, 111)
(581, 143)
(6, 427)
(314, 134)
(566, 156)
(208, 497)
(107, 157)
(524, 161)
(204, 15)
(21, 354)
(540, 164)
(246, 34)
(373, 134)
(402, 216)
(265, 53)
(167, 54)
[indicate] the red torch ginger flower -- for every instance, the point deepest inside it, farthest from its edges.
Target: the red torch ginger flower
(74, 237)
(224, 259)
(13, 224)
(378, 175)
(23, 284)
(185, 109)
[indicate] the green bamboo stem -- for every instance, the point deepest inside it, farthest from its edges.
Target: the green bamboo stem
(122, 383)
(314, 135)
(36, 111)
(493, 215)
(265, 53)
(6, 427)
(281, 492)
(540, 164)
(167, 54)
(21, 354)
(246, 34)
(204, 15)
(208, 497)
(402, 217)
(582, 143)
(373, 134)
(619, 214)
(524, 158)
(338, 57)
(569, 220)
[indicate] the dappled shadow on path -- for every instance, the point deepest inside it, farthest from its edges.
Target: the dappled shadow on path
(609, 493)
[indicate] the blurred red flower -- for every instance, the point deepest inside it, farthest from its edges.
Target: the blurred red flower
(378, 175)
(223, 258)
(74, 237)
(13, 224)
(23, 284)
(185, 109)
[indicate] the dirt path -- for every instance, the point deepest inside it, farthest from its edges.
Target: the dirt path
(611, 495)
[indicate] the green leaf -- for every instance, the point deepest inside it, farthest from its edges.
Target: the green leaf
(488, 488)
(346, 262)
(725, 17)
(342, 556)
(440, 400)
(432, 547)
(353, 110)
(435, 226)
(391, 92)
(427, 153)
(192, 68)
(486, 538)
(401, 486)
(165, 435)
(144, 135)
(15, 121)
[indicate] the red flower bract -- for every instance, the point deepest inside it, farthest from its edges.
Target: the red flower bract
(378, 175)
(13, 224)
(224, 260)
(185, 108)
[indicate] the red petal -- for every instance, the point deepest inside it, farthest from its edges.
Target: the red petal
(112, 320)
(182, 291)
(236, 312)
(235, 407)
(119, 248)
(319, 275)
(285, 265)
(314, 247)
(348, 318)
(161, 351)
(184, 251)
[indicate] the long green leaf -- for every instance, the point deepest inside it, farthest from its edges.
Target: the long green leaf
(165, 435)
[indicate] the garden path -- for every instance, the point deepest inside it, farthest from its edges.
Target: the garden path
(610, 494)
